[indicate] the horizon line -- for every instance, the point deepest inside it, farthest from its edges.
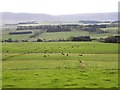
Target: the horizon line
(58, 14)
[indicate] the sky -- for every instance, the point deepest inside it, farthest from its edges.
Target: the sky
(59, 7)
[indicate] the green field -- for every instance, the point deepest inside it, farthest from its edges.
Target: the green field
(56, 65)
(112, 31)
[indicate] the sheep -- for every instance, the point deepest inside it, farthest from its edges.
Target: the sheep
(67, 54)
(81, 64)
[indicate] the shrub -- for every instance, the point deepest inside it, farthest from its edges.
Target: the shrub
(81, 38)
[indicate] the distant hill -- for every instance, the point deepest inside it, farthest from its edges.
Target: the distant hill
(9, 17)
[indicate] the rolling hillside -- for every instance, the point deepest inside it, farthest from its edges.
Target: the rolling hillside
(9, 17)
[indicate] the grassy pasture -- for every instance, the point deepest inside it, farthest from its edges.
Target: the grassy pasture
(59, 47)
(56, 65)
(66, 35)
(59, 35)
(5, 35)
(111, 29)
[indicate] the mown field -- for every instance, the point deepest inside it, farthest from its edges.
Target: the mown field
(56, 65)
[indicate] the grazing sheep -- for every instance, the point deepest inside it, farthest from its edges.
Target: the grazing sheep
(62, 53)
(44, 55)
(81, 64)
(99, 65)
(80, 55)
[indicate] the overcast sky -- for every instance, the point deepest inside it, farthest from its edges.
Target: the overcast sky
(59, 7)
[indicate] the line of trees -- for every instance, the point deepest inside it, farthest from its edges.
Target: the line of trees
(81, 38)
(14, 33)
(111, 39)
(10, 40)
(61, 28)
(48, 28)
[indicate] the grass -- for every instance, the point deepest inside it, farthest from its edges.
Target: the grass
(58, 56)
(59, 47)
(60, 78)
(56, 65)
(111, 29)
(59, 35)
(5, 35)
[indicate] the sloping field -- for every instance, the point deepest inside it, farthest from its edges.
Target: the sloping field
(57, 65)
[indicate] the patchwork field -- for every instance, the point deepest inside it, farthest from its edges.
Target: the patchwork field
(112, 31)
(57, 65)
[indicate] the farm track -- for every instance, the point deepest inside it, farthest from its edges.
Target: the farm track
(58, 56)
(4, 59)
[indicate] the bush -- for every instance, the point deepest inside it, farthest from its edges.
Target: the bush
(39, 40)
(81, 38)
(112, 39)
(9, 40)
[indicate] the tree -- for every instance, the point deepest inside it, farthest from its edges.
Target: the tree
(9, 40)
(81, 38)
(39, 40)
(112, 39)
